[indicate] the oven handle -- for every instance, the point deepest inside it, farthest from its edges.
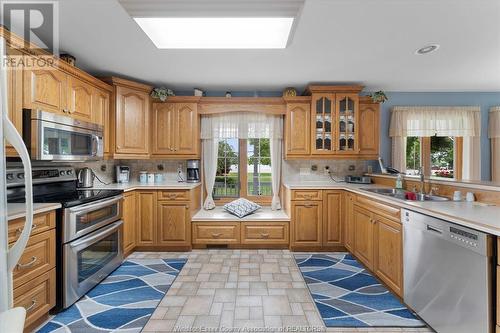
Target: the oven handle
(95, 205)
(96, 236)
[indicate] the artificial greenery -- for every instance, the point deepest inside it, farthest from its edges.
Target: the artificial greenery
(378, 96)
(162, 93)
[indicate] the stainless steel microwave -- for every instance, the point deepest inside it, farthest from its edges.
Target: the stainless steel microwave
(52, 137)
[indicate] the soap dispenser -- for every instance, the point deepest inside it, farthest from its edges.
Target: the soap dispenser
(399, 182)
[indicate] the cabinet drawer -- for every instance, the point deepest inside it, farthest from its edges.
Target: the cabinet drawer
(37, 296)
(41, 222)
(174, 195)
(264, 233)
(216, 233)
(38, 257)
(390, 212)
(306, 195)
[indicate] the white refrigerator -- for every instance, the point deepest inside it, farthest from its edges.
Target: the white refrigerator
(11, 319)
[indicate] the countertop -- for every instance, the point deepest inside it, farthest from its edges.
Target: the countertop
(474, 215)
(17, 210)
(135, 185)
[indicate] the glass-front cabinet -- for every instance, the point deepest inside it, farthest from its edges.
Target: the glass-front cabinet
(334, 123)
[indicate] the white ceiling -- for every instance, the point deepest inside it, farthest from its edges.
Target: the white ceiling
(342, 41)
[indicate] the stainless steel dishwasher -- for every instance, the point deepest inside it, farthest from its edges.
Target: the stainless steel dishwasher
(448, 274)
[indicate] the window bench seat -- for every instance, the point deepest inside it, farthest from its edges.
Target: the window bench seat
(262, 229)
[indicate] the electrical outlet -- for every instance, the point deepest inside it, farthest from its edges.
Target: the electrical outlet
(326, 170)
(160, 167)
(352, 167)
(314, 167)
(104, 168)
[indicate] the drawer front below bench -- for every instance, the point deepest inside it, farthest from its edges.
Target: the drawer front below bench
(216, 233)
(264, 232)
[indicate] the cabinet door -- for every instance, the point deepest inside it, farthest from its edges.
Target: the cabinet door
(307, 222)
(132, 122)
(388, 264)
(45, 89)
(163, 124)
(129, 220)
(349, 222)
(186, 129)
(15, 94)
(346, 123)
(322, 127)
(101, 116)
(363, 239)
(79, 99)
(297, 133)
(369, 129)
(146, 217)
(173, 223)
(333, 216)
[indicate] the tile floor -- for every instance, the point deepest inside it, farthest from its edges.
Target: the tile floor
(230, 290)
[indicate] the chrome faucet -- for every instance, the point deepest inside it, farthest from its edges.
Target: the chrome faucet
(421, 194)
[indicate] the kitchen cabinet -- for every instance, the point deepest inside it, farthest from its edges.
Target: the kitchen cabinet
(333, 214)
(349, 221)
(297, 121)
(307, 223)
(216, 233)
(80, 99)
(14, 95)
(101, 115)
(322, 118)
(369, 128)
(363, 240)
(176, 130)
(346, 120)
(129, 222)
(388, 261)
(146, 218)
(173, 223)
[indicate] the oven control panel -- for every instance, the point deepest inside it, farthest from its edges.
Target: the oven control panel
(15, 177)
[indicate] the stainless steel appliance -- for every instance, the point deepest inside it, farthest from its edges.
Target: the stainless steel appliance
(52, 137)
(88, 228)
(358, 179)
(193, 171)
(122, 174)
(86, 177)
(448, 274)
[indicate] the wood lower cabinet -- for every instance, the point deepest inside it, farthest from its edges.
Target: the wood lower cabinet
(129, 222)
(388, 261)
(173, 224)
(333, 215)
(216, 233)
(146, 218)
(363, 240)
(264, 233)
(350, 199)
(307, 222)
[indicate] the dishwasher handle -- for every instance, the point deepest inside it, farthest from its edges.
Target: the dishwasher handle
(434, 229)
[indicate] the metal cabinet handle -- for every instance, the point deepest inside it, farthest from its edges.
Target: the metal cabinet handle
(28, 264)
(216, 235)
(33, 304)
(20, 230)
(264, 235)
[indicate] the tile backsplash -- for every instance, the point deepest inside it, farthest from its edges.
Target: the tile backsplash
(301, 169)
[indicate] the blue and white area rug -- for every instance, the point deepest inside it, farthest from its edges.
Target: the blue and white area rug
(347, 295)
(123, 302)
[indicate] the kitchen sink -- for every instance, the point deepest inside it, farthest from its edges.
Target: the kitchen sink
(402, 194)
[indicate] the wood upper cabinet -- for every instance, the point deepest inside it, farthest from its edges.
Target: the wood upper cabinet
(349, 221)
(363, 239)
(175, 130)
(14, 96)
(132, 122)
(322, 123)
(369, 114)
(102, 116)
(80, 99)
(173, 223)
(129, 222)
(146, 217)
(307, 223)
(45, 89)
(297, 134)
(346, 123)
(186, 129)
(388, 261)
(333, 207)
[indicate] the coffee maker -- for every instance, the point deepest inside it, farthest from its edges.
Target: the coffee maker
(193, 171)
(122, 174)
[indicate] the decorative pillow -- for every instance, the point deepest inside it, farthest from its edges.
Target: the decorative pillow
(241, 207)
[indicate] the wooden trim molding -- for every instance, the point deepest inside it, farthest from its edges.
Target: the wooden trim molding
(269, 105)
(113, 80)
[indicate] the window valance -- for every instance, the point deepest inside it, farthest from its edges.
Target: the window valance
(241, 125)
(494, 123)
(464, 121)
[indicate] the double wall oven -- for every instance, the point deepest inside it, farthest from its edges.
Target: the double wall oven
(89, 229)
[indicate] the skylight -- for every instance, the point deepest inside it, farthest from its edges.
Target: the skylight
(217, 33)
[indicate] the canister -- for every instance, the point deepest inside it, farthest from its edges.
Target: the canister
(143, 177)
(151, 178)
(158, 177)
